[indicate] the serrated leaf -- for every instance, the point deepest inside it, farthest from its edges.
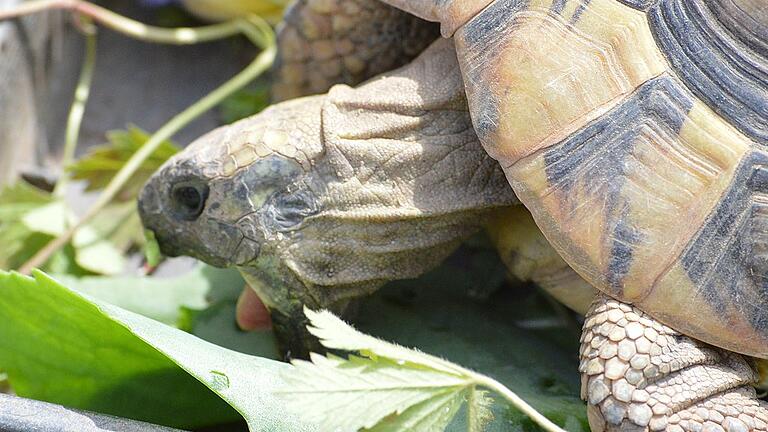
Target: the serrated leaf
(348, 395)
(336, 334)
(102, 162)
(432, 415)
(435, 314)
(59, 346)
(478, 410)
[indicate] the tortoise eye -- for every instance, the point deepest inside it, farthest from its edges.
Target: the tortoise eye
(188, 199)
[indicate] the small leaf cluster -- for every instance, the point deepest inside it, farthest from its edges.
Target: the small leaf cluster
(31, 217)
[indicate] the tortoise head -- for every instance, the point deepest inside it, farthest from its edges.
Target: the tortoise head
(238, 196)
(231, 192)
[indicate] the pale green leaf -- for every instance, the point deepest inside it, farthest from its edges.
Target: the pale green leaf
(478, 410)
(152, 249)
(347, 395)
(94, 247)
(336, 334)
(96, 253)
(157, 298)
(118, 222)
(432, 415)
(52, 219)
(490, 336)
(19, 241)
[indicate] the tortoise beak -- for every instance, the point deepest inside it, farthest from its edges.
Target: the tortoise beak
(173, 205)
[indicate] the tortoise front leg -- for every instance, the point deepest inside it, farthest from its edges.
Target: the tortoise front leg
(638, 374)
(322, 43)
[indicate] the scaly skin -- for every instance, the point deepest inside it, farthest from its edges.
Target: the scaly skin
(327, 42)
(638, 374)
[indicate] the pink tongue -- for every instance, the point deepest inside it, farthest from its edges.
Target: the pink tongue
(251, 313)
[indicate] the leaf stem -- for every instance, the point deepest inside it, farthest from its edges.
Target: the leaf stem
(127, 26)
(515, 401)
(75, 118)
(261, 63)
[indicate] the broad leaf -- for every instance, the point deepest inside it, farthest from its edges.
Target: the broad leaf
(201, 301)
(58, 346)
(158, 298)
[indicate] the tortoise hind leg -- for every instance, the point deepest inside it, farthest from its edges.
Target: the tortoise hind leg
(327, 42)
(638, 374)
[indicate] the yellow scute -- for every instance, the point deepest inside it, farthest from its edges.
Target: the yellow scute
(555, 72)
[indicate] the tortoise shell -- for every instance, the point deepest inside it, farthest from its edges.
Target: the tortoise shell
(635, 132)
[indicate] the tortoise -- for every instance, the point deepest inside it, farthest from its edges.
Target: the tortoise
(632, 130)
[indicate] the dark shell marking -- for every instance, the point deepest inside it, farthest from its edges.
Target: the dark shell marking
(599, 159)
(728, 259)
(716, 64)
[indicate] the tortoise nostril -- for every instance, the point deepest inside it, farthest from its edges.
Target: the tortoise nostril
(188, 199)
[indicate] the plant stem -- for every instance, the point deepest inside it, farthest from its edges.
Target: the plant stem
(262, 62)
(516, 401)
(127, 26)
(75, 119)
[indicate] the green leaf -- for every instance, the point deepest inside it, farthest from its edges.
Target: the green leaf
(348, 395)
(201, 301)
(158, 298)
(336, 334)
(51, 219)
(20, 242)
(394, 388)
(61, 347)
(217, 324)
(152, 249)
(100, 244)
(18, 199)
(32, 218)
(432, 415)
(101, 164)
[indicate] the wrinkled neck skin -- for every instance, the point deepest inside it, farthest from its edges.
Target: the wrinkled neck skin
(399, 182)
